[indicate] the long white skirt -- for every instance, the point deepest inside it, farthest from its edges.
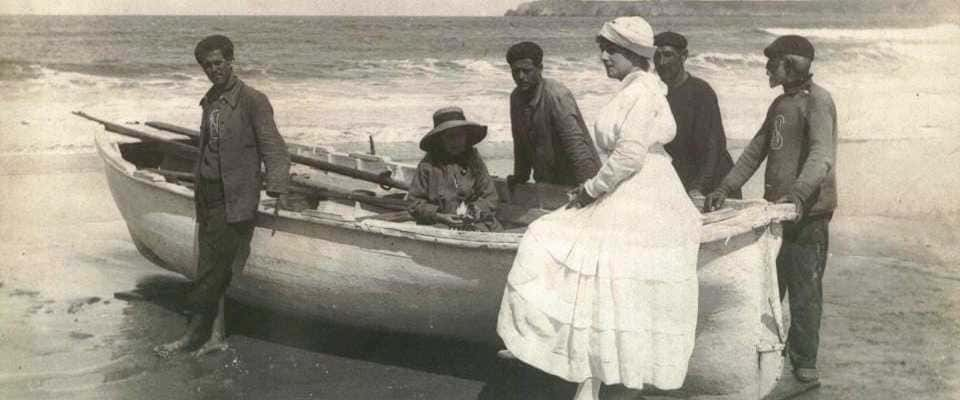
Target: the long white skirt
(609, 291)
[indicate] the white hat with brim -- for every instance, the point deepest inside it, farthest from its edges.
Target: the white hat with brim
(451, 120)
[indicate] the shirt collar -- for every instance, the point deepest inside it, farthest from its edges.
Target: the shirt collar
(534, 95)
(683, 78)
(229, 94)
(795, 88)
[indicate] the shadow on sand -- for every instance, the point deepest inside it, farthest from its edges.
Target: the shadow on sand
(255, 331)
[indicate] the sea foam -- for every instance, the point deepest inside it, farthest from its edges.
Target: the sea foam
(936, 33)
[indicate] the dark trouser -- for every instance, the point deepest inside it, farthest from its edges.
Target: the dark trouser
(800, 266)
(222, 249)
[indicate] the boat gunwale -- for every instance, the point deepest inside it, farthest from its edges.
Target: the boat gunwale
(485, 240)
(757, 214)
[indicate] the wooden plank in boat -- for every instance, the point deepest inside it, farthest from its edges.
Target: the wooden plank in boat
(493, 240)
(368, 157)
(532, 195)
(718, 215)
(149, 175)
(322, 215)
(398, 216)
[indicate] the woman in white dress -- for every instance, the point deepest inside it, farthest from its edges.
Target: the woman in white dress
(605, 290)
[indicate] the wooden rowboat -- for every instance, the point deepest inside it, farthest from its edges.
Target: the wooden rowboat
(345, 261)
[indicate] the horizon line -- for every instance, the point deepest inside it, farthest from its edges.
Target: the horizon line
(257, 15)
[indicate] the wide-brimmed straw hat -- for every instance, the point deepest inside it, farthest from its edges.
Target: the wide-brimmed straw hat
(449, 120)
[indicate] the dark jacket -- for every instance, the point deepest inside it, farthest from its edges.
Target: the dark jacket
(550, 137)
(248, 137)
(440, 186)
(699, 150)
(799, 140)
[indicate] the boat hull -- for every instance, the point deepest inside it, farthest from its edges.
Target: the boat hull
(382, 277)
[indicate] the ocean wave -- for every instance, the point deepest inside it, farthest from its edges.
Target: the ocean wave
(32, 77)
(13, 70)
(725, 60)
(936, 33)
(119, 70)
(881, 54)
(345, 69)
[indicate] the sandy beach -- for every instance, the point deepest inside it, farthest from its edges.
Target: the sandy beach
(891, 327)
(64, 335)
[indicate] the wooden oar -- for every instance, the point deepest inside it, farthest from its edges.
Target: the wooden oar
(330, 192)
(304, 185)
(381, 178)
(163, 126)
(120, 129)
(394, 204)
(183, 176)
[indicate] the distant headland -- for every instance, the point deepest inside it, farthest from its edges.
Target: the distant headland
(578, 8)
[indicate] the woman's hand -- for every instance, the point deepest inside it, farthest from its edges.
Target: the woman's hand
(449, 219)
(579, 198)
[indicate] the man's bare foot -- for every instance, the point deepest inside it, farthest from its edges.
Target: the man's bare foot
(165, 350)
(506, 355)
(211, 346)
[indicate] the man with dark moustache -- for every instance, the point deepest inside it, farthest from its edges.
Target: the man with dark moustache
(699, 150)
(550, 137)
(238, 134)
(798, 138)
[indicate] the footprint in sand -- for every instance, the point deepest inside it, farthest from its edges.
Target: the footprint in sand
(76, 305)
(24, 293)
(80, 335)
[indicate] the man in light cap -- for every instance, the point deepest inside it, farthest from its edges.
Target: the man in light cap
(699, 150)
(799, 140)
(549, 134)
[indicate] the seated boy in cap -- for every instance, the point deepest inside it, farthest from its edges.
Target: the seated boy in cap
(452, 186)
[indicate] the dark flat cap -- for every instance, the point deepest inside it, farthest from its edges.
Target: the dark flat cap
(789, 44)
(672, 39)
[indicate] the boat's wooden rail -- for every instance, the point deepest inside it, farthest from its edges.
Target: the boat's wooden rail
(529, 195)
(526, 202)
(520, 205)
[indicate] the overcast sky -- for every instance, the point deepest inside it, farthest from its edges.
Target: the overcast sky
(260, 7)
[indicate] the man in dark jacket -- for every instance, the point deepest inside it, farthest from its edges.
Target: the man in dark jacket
(549, 135)
(238, 134)
(799, 140)
(699, 150)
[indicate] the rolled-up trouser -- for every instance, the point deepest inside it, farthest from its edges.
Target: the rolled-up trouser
(800, 267)
(222, 248)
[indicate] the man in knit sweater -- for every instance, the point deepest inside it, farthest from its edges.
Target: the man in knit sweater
(699, 150)
(799, 141)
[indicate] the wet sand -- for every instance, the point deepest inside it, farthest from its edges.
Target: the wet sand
(891, 327)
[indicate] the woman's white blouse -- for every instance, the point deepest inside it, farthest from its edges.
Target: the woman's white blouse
(636, 121)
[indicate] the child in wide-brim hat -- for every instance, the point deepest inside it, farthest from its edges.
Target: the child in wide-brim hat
(452, 186)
